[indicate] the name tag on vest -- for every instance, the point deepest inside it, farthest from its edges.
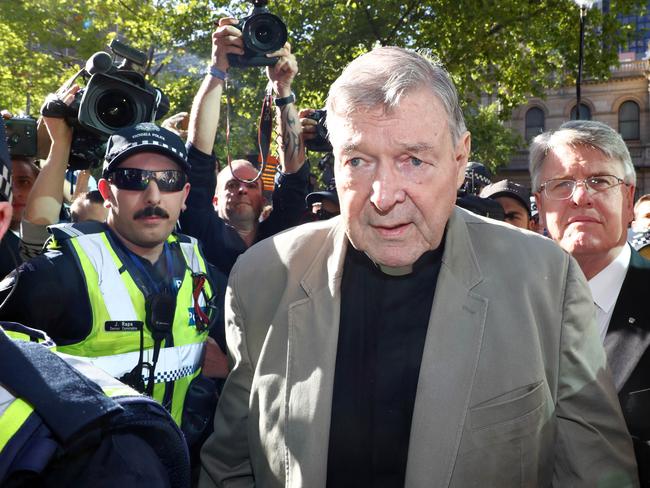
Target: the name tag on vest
(122, 325)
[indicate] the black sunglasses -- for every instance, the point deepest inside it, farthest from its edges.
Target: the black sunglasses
(138, 179)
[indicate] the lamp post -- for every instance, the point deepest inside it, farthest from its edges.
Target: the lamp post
(584, 5)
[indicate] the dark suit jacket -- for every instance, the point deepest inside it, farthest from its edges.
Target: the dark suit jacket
(628, 351)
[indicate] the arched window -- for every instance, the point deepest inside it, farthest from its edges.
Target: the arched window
(585, 112)
(628, 120)
(534, 122)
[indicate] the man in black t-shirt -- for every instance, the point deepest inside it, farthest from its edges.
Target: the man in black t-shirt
(234, 226)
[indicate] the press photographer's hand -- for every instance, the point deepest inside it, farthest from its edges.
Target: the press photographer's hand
(226, 40)
(284, 71)
(57, 128)
(177, 124)
(308, 124)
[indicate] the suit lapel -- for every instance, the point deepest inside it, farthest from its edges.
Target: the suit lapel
(312, 343)
(449, 362)
(628, 335)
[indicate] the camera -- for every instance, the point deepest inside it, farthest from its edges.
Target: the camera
(115, 96)
(321, 142)
(21, 136)
(262, 33)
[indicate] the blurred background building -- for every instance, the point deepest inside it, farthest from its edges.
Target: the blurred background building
(623, 102)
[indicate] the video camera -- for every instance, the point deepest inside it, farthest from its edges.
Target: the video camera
(262, 33)
(321, 142)
(115, 96)
(21, 136)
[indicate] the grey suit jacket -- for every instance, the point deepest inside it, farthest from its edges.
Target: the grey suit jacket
(513, 388)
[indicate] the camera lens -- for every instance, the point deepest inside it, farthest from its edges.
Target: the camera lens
(265, 33)
(115, 109)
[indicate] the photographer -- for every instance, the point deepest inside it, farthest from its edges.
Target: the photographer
(235, 227)
(44, 203)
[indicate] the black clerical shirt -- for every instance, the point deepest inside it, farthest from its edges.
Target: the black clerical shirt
(382, 329)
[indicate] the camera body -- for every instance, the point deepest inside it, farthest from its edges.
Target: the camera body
(114, 97)
(21, 136)
(321, 142)
(111, 102)
(262, 33)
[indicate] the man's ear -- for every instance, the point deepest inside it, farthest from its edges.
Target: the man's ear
(104, 188)
(463, 148)
(540, 208)
(6, 211)
(186, 192)
(628, 195)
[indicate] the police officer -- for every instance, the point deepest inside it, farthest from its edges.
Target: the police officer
(131, 295)
(67, 423)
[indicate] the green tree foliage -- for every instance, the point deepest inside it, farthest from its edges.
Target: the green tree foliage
(499, 52)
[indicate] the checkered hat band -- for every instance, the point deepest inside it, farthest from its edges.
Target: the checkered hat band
(5, 183)
(478, 178)
(153, 142)
(639, 241)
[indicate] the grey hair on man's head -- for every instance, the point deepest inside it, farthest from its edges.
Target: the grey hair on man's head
(381, 77)
(587, 133)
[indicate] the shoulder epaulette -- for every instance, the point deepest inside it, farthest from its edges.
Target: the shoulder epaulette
(184, 238)
(62, 232)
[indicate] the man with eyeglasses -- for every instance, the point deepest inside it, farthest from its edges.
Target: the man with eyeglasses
(584, 182)
(131, 295)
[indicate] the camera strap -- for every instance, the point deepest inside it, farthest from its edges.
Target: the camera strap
(265, 126)
(264, 132)
(154, 112)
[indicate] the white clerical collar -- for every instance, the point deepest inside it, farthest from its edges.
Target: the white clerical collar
(391, 270)
(606, 285)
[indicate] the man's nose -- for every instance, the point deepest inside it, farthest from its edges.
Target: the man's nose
(582, 195)
(387, 188)
(152, 193)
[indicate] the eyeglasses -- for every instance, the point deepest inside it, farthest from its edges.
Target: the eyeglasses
(138, 179)
(562, 189)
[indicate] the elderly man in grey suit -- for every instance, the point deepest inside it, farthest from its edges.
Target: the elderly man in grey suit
(408, 342)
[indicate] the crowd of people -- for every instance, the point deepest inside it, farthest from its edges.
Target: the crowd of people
(412, 324)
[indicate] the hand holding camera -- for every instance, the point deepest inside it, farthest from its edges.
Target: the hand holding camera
(262, 33)
(282, 73)
(59, 130)
(226, 42)
(114, 96)
(314, 130)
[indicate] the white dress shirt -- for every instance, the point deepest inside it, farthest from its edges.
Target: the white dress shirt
(606, 286)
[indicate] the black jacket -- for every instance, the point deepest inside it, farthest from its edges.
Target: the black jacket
(628, 350)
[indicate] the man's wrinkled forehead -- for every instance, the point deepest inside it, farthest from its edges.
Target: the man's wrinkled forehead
(567, 158)
(346, 135)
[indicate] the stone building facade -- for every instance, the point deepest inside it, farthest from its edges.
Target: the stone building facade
(622, 102)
